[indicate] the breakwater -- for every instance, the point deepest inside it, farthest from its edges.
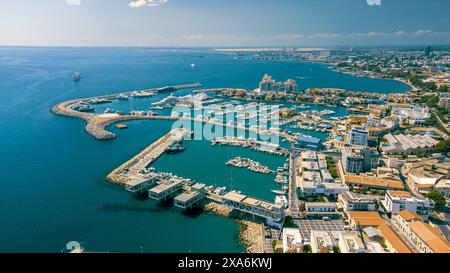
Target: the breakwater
(96, 124)
(251, 234)
(132, 169)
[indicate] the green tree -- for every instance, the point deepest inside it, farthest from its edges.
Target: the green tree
(438, 199)
(443, 146)
(443, 89)
(307, 249)
(336, 249)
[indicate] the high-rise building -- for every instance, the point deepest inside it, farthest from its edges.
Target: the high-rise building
(266, 84)
(290, 86)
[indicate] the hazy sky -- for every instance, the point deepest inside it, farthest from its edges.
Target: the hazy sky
(224, 22)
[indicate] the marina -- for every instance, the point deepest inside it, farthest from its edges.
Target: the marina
(85, 177)
(261, 146)
(249, 164)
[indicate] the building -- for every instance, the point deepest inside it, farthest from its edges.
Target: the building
(352, 162)
(320, 210)
(319, 188)
(292, 240)
(349, 242)
(408, 144)
(365, 219)
(266, 84)
(370, 182)
(352, 201)
(396, 201)
(424, 237)
(290, 86)
(321, 242)
(444, 101)
(320, 207)
(358, 136)
(359, 159)
(313, 176)
(423, 176)
(391, 122)
(371, 158)
(308, 142)
(394, 243)
(443, 187)
(416, 116)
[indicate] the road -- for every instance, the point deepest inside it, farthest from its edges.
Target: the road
(294, 205)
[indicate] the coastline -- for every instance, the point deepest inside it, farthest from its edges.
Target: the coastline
(332, 66)
(251, 234)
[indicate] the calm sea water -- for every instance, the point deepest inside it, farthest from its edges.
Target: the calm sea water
(53, 184)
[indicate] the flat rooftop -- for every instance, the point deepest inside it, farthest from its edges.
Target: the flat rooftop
(163, 187)
(186, 196)
(237, 197)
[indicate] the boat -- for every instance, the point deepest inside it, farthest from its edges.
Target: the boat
(99, 101)
(193, 65)
(121, 126)
(122, 97)
(220, 190)
(108, 111)
(83, 107)
(280, 192)
(76, 76)
(175, 148)
(281, 199)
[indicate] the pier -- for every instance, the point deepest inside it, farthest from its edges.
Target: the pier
(133, 172)
(192, 196)
(261, 146)
(254, 206)
(165, 189)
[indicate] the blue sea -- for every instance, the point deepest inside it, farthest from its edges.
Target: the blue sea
(53, 187)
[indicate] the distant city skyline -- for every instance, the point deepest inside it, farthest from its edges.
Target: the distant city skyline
(161, 23)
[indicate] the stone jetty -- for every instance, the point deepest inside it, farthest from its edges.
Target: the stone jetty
(96, 123)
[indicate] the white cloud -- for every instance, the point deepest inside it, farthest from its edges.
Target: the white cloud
(146, 3)
(73, 2)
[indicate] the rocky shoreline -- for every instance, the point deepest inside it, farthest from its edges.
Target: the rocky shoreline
(250, 233)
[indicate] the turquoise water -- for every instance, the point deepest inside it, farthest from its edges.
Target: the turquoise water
(53, 184)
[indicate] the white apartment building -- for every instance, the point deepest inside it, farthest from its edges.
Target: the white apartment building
(396, 201)
(352, 201)
(358, 136)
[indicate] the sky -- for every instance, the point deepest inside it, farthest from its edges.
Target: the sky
(224, 22)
